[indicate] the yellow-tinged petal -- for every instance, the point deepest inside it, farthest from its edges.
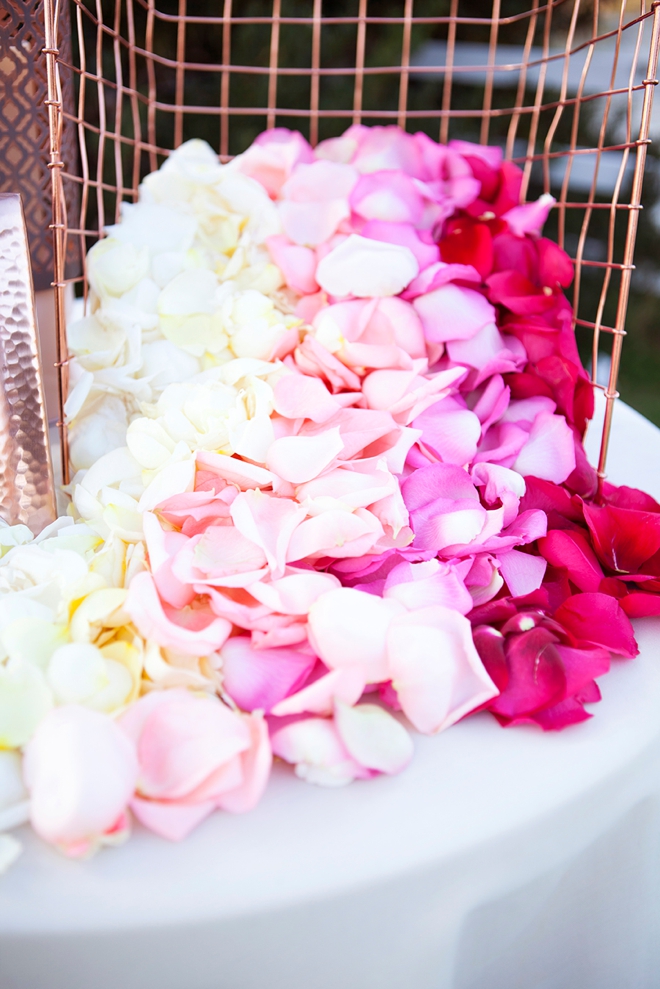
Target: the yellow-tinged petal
(33, 639)
(129, 656)
(25, 698)
(100, 609)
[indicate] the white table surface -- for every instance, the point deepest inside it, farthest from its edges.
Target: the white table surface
(500, 858)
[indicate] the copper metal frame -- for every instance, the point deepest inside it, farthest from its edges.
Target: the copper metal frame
(125, 45)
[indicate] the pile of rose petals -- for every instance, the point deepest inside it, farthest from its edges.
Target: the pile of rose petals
(365, 506)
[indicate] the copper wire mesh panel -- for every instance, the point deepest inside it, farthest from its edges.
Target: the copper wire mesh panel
(565, 87)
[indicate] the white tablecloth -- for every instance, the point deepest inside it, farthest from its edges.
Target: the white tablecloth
(498, 860)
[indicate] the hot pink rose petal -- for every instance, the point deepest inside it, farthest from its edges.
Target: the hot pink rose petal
(261, 678)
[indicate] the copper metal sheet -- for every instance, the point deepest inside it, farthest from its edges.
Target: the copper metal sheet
(27, 491)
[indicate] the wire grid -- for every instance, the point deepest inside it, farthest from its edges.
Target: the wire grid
(555, 84)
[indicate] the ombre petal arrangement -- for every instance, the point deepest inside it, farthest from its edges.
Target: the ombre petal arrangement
(329, 490)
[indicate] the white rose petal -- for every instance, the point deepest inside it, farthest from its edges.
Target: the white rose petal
(364, 268)
(158, 228)
(114, 267)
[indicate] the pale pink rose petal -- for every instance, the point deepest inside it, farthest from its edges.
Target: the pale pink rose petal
(300, 458)
(352, 486)
(297, 263)
(388, 195)
(501, 444)
(194, 511)
(386, 148)
(394, 447)
(335, 533)
(389, 324)
(368, 355)
(161, 548)
(435, 668)
(221, 551)
(348, 630)
(310, 224)
(453, 313)
(449, 530)
(438, 274)
(392, 514)
(420, 585)
(196, 632)
(530, 217)
(171, 821)
(320, 696)
(479, 350)
(256, 764)
(313, 358)
(525, 410)
(525, 529)
(246, 612)
(294, 593)
(373, 737)
(260, 678)
(449, 173)
(452, 434)
(181, 739)
(309, 305)
(322, 181)
(314, 747)
(522, 572)
(194, 752)
(341, 149)
(362, 268)
(298, 396)
(268, 522)
(358, 429)
(406, 394)
(80, 771)
(280, 636)
(273, 156)
(316, 201)
(234, 471)
(219, 559)
(549, 453)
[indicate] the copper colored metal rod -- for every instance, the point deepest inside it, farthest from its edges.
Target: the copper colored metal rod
(56, 165)
(359, 62)
(649, 82)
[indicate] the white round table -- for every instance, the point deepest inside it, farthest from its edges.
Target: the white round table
(498, 860)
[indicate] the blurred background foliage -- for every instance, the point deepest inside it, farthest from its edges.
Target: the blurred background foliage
(639, 382)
